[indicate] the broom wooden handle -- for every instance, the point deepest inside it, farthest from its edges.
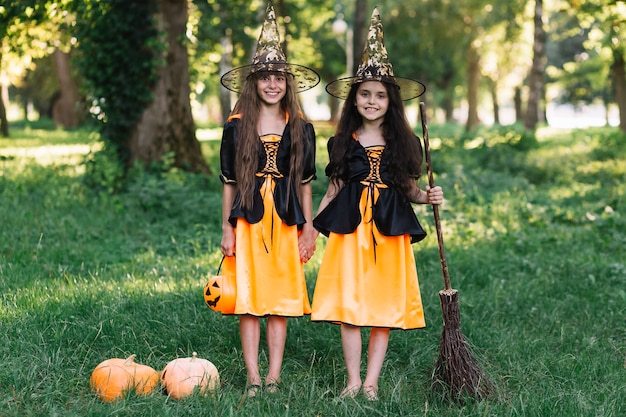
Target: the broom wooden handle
(431, 183)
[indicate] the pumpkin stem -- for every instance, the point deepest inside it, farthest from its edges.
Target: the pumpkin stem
(194, 355)
(129, 361)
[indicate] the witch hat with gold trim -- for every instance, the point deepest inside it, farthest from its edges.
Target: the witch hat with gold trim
(375, 66)
(269, 56)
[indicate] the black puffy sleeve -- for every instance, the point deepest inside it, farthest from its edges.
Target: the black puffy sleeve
(413, 172)
(228, 152)
(308, 173)
(329, 147)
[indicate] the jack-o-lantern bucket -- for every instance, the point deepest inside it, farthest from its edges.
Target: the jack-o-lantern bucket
(220, 292)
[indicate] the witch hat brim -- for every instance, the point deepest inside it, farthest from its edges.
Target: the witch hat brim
(409, 88)
(269, 57)
(305, 78)
(376, 66)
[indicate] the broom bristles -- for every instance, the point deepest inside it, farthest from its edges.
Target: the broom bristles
(456, 372)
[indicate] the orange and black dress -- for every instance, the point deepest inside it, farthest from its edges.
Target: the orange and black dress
(269, 273)
(368, 276)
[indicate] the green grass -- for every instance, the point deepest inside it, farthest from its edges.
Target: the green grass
(534, 234)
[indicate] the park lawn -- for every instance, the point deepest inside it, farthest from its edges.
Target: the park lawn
(534, 235)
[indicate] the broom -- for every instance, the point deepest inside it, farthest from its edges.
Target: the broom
(456, 373)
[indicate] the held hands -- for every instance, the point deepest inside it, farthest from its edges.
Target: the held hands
(306, 243)
(434, 195)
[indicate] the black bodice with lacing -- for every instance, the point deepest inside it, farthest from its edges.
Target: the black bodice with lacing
(274, 159)
(391, 212)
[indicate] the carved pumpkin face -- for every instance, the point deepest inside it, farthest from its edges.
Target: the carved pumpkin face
(220, 295)
(182, 376)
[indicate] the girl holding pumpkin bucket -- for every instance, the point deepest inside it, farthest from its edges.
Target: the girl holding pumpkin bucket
(368, 277)
(267, 163)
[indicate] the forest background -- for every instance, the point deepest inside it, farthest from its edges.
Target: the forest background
(147, 73)
(110, 206)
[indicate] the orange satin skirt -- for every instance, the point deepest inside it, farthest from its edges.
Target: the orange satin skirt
(368, 279)
(269, 273)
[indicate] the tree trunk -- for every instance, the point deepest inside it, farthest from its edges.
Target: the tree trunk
(448, 107)
(619, 84)
(359, 31)
(167, 124)
(281, 10)
(517, 100)
(66, 110)
(473, 80)
(335, 108)
(447, 88)
(536, 78)
(493, 84)
(4, 123)
(225, 66)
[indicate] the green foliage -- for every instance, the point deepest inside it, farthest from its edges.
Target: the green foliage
(217, 19)
(580, 72)
(164, 189)
(119, 50)
(502, 149)
(39, 87)
(14, 12)
(610, 145)
(154, 186)
(104, 171)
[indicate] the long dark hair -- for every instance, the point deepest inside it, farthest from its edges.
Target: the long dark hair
(402, 146)
(248, 144)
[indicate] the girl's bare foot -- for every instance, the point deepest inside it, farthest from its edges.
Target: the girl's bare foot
(350, 392)
(370, 392)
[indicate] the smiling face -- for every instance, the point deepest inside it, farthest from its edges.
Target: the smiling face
(271, 87)
(372, 100)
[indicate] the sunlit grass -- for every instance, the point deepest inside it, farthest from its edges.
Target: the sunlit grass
(48, 154)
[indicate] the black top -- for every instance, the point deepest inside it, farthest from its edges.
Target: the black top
(392, 213)
(289, 210)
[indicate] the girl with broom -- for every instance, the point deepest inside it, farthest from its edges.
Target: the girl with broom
(267, 159)
(368, 277)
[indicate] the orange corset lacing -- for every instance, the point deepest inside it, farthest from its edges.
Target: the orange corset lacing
(270, 144)
(374, 183)
(269, 171)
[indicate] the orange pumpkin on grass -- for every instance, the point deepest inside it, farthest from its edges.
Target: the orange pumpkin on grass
(113, 377)
(181, 376)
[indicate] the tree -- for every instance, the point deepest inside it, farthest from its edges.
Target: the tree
(167, 123)
(536, 79)
(425, 42)
(67, 110)
(360, 26)
(577, 64)
(316, 42)
(448, 45)
(134, 60)
(231, 28)
(38, 30)
(223, 38)
(473, 82)
(605, 22)
(482, 21)
(15, 13)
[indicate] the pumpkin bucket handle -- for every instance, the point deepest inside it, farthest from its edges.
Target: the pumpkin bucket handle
(219, 268)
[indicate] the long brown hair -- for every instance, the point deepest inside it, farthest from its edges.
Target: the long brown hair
(248, 144)
(403, 147)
